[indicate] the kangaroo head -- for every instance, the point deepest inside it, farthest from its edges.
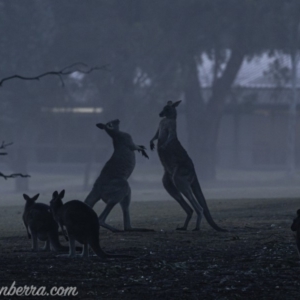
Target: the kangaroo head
(30, 200)
(110, 126)
(296, 223)
(56, 200)
(169, 111)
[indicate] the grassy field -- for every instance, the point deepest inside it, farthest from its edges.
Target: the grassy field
(255, 259)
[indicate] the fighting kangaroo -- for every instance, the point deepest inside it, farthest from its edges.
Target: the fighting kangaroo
(40, 225)
(81, 223)
(112, 186)
(179, 177)
(296, 227)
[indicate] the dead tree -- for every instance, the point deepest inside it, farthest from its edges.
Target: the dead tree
(14, 175)
(75, 67)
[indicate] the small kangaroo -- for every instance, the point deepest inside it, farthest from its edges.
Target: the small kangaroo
(180, 177)
(40, 224)
(112, 186)
(81, 223)
(296, 227)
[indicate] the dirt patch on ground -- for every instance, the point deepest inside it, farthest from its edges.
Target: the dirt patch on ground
(256, 259)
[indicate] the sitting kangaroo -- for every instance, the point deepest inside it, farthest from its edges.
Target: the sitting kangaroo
(296, 227)
(179, 177)
(40, 224)
(112, 186)
(81, 223)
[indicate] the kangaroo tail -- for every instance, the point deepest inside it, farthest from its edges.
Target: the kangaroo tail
(94, 244)
(201, 199)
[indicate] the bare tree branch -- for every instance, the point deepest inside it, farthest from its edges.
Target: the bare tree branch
(13, 175)
(64, 71)
(3, 146)
(60, 73)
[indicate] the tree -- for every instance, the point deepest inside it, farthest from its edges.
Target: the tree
(14, 175)
(63, 72)
(228, 32)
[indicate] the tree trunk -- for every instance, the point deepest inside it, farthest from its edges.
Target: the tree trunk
(292, 118)
(204, 120)
(194, 108)
(292, 124)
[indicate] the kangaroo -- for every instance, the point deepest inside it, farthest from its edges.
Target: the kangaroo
(296, 227)
(40, 225)
(112, 186)
(81, 223)
(179, 177)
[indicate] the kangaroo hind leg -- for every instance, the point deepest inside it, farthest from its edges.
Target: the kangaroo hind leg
(125, 203)
(47, 245)
(34, 241)
(93, 197)
(72, 252)
(184, 187)
(113, 193)
(174, 193)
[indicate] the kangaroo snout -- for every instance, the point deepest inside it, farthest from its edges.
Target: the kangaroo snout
(100, 125)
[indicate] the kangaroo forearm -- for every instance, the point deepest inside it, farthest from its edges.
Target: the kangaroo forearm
(155, 137)
(168, 140)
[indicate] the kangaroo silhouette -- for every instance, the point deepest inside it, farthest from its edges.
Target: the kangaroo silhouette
(40, 225)
(112, 186)
(296, 227)
(81, 223)
(179, 177)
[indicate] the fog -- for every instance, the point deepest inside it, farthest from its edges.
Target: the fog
(234, 69)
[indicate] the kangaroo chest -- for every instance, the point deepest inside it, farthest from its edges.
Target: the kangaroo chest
(165, 144)
(120, 165)
(166, 131)
(170, 151)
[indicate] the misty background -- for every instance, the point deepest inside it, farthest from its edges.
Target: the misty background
(234, 65)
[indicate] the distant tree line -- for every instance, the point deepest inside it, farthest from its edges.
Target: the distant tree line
(153, 48)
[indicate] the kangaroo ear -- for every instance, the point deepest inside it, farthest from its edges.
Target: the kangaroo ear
(62, 194)
(35, 197)
(55, 194)
(101, 126)
(175, 104)
(26, 197)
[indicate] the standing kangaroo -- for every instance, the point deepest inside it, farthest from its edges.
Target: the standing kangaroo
(40, 224)
(82, 225)
(112, 186)
(296, 227)
(179, 177)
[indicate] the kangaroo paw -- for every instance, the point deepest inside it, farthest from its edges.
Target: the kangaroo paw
(144, 153)
(152, 146)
